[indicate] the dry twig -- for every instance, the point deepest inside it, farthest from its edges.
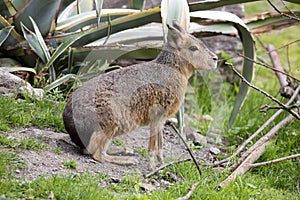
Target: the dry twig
(267, 123)
(190, 192)
(264, 64)
(256, 151)
(178, 161)
(288, 8)
(274, 161)
(266, 94)
(281, 13)
(277, 65)
(166, 165)
(187, 148)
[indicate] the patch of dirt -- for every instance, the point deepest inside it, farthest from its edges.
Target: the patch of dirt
(48, 162)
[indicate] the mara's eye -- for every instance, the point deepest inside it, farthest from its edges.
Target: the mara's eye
(193, 48)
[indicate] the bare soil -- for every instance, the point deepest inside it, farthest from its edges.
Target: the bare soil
(60, 149)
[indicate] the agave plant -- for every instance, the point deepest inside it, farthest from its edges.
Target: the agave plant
(55, 38)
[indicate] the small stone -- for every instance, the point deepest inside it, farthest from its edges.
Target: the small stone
(147, 187)
(172, 121)
(18, 171)
(37, 133)
(165, 183)
(92, 161)
(214, 150)
(52, 143)
(2, 197)
(197, 138)
(51, 195)
(205, 118)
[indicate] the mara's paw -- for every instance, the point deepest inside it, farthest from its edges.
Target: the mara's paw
(121, 160)
(160, 157)
(129, 160)
(124, 151)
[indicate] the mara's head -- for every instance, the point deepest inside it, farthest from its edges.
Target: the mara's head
(190, 49)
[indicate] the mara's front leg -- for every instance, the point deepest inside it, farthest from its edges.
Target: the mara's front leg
(156, 138)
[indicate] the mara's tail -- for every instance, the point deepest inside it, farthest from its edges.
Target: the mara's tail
(70, 125)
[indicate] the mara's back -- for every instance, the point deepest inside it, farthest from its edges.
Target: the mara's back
(122, 99)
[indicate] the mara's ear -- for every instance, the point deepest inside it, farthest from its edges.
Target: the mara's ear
(174, 35)
(178, 27)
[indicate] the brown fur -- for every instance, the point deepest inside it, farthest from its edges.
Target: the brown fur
(144, 94)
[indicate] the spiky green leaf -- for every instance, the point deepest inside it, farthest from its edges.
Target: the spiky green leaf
(44, 14)
(16, 69)
(40, 40)
(248, 51)
(4, 33)
(13, 38)
(59, 82)
(61, 49)
(138, 4)
(89, 18)
(117, 25)
(33, 42)
(6, 8)
(98, 4)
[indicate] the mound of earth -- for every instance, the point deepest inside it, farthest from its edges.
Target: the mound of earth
(60, 149)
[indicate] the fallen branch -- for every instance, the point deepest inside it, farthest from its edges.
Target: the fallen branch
(277, 65)
(256, 151)
(272, 118)
(190, 192)
(274, 161)
(245, 143)
(165, 166)
(287, 88)
(270, 135)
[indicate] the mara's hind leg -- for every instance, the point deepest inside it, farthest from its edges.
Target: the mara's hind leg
(103, 142)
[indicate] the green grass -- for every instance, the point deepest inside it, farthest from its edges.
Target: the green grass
(118, 143)
(142, 151)
(24, 143)
(276, 181)
(57, 150)
(21, 113)
(71, 164)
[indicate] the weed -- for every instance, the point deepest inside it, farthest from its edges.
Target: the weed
(118, 143)
(142, 151)
(9, 163)
(71, 164)
(57, 150)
